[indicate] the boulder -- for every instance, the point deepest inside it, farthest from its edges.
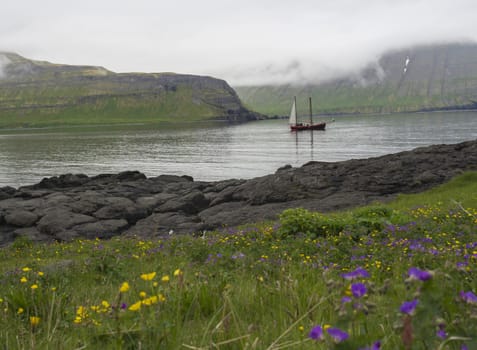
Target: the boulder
(6, 192)
(62, 181)
(20, 218)
(151, 202)
(121, 208)
(58, 220)
(160, 224)
(100, 229)
(191, 203)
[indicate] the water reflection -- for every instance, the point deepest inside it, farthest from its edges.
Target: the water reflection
(216, 151)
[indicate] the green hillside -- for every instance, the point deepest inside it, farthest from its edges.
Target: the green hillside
(420, 78)
(34, 93)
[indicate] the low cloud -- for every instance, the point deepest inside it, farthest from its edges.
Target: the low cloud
(4, 61)
(244, 42)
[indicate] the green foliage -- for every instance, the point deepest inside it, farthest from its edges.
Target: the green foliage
(311, 224)
(22, 242)
(457, 194)
(370, 218)
(296, 222)
(259, 287)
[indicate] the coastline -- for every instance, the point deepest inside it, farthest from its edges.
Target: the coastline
(72, 206)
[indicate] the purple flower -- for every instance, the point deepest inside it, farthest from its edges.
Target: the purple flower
(358, 290)
(469, 297)
(316, 333)
(124, 306)
(359, 272)
(375, 346)
(408, 307)
(417, 274)
(337, 334)
(441, 333)
(345, 300)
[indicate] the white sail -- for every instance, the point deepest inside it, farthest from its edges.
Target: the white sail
(292, 120)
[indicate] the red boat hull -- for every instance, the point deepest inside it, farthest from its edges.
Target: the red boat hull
(300, 127)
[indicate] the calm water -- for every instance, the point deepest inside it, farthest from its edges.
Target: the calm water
(215, 152)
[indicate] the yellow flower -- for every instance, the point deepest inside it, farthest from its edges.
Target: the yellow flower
(326, 326)
(177, 272)
(20, 310)
(34, 286)
(165, 278)
(135, 306)
(124, 287)
(23, 279)
(301, 328)
(142, 295)
(105, 304)
(40, 273)
(26, 269)
(81, 312)
(148, 276)
(150, 301)
(34, 321)
(162, 298)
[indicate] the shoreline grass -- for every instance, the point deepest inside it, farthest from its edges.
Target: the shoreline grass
(394, 276)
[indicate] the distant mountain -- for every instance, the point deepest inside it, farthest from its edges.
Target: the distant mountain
(34, 93)
(420, 78)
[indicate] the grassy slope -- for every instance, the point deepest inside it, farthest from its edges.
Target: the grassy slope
(273, 100)
(460, 191)
(252, 288)
(42, 94)
(171, 106)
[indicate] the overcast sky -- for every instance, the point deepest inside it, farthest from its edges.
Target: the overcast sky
(242, 41)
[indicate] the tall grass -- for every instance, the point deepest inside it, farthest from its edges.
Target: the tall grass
(390, 277)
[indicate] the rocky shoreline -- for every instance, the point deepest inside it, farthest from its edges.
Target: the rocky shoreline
(71, 206)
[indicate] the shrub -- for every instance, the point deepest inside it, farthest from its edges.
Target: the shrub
(311, 224)
(372, 218)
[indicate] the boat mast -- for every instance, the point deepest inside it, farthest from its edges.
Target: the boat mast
(296, 112)
(311, 115)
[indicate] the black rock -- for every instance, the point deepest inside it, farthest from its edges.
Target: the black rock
(70, 206)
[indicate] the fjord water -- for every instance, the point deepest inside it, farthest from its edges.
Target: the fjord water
(217, 151)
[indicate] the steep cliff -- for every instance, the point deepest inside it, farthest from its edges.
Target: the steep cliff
(414, 79)
(34, 93)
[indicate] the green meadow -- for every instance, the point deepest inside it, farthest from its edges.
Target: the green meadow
(147, 109)
(276, 100)
(400, 275)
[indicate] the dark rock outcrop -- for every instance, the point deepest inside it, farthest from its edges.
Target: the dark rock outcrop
(78, 206)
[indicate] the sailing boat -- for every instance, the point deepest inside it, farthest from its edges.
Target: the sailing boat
(295, 126)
